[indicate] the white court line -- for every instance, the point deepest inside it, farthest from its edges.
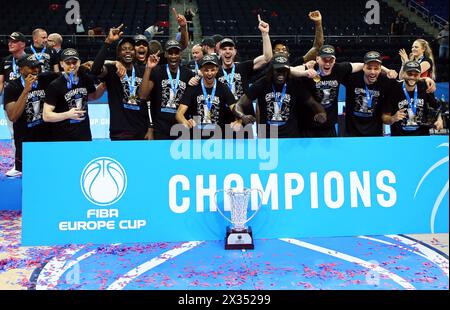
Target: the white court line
(126, 279)
(429, 254)
(53, 270)
(402, 282)
(433, 256)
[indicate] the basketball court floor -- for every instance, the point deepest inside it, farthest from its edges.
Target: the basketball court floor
(393, 262)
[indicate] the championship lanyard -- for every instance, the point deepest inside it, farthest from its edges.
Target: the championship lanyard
(230, 77)
(173, 84)
(196, 68)
(205, 94)
(319, 72)
(71, 80)
(14, 66)
(369, 97)
(411, 103)
(132, 82)
(279, 99)
(33, 86)
(38, 56)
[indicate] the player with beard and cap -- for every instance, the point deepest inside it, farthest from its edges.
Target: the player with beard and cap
(129, 119)
(9, 71)
(208, 46)
(366, 93)
(325, 89)
(279, 96)
(142, 48)
(197, 55)
(205, 106)
(24, 101)
(167, 85)
(217, 38)
(46, 55)
(279, 46)
(408, 108)
(66, 100)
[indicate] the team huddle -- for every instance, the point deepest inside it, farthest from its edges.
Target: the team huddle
(152, 96)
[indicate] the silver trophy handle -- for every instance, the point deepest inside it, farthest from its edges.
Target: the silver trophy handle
(260, 203)
(217, 205)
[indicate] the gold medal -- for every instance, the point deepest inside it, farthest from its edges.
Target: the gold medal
(316, 78)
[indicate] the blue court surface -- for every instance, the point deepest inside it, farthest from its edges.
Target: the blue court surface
(393, 262)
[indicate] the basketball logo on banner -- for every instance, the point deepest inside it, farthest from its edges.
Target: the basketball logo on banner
(103, 181)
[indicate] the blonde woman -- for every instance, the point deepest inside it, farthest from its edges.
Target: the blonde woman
(422, 53)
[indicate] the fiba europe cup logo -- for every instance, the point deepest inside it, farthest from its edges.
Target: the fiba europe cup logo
(103, 181)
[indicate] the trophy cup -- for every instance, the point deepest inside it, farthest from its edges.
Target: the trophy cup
(238, 236)
(411, 118)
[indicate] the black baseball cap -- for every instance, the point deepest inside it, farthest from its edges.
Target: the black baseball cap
(18, 36)
(140, 38)
(172, 44)
(28, 60)
(226, 42)
(70, 53)
(411, 66)
(217, 38)
(372, 56)
(327, 51)
(125, 40)
(208, 42)
(280, 61)
(209, 59)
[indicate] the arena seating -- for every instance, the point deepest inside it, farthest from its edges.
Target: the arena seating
(436, 7)
(343, 25)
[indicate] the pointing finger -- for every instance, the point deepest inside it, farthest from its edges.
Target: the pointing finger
(259, 18)
(174, 10)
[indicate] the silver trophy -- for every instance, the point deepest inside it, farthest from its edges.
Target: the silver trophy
(276, 113)
(207, 117)
(411, 118)
(238, 236)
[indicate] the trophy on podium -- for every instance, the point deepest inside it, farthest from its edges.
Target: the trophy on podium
(238, 236)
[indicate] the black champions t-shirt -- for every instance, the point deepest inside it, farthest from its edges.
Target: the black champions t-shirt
(325, 92)
(9, 69)
(30, 126)
(362, 115)
(209, 117)
(63, 98)
(239, 82)
(415, 124)
(128, 114)
(278, 109)
(48, 57)
(164, 100)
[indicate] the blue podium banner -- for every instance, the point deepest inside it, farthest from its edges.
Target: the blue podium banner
(140, 191)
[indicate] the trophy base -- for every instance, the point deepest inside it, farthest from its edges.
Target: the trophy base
(239, 240)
